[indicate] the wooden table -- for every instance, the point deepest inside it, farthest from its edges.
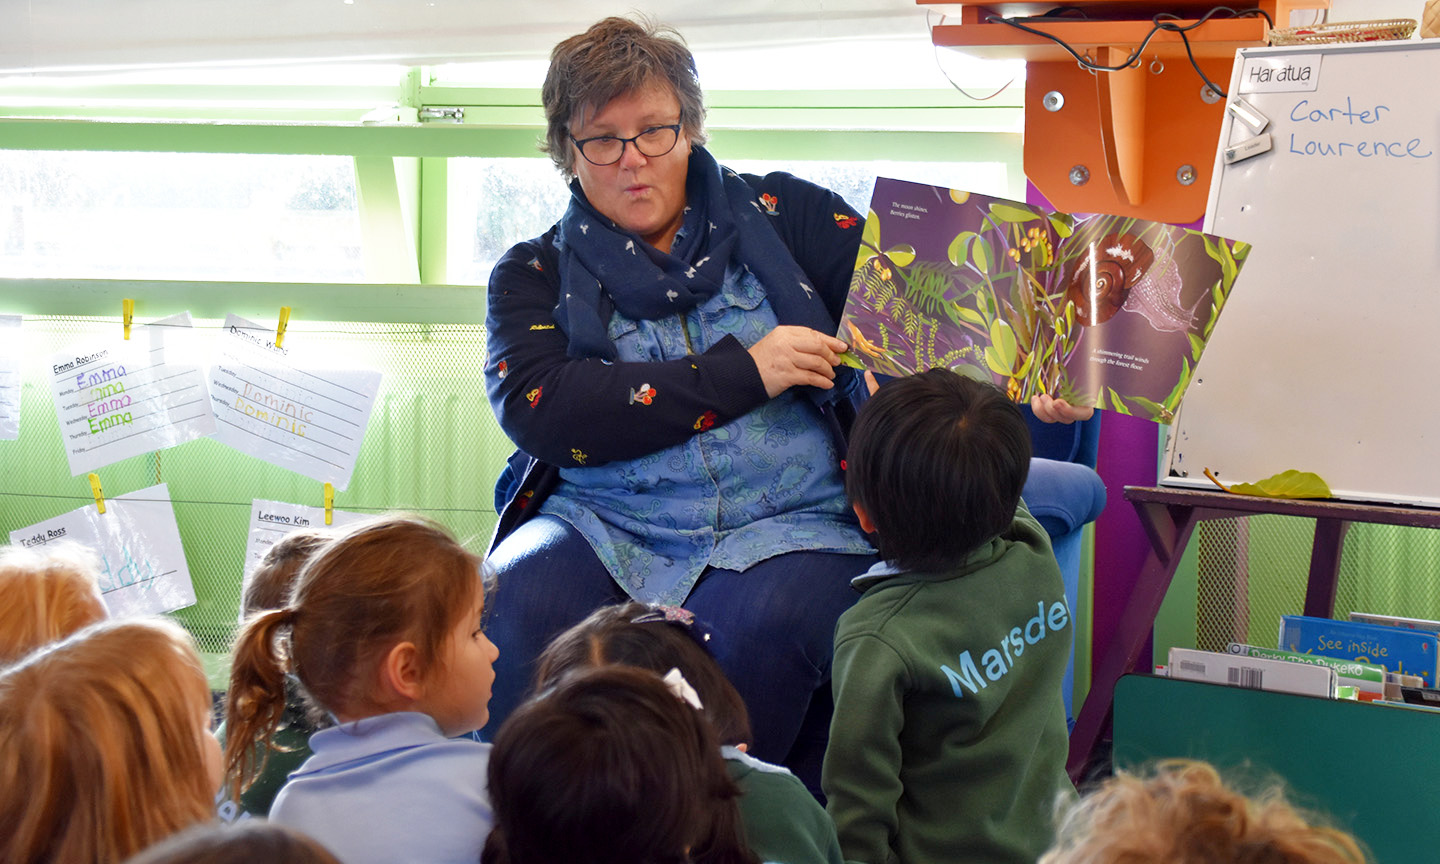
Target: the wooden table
(1169, 517)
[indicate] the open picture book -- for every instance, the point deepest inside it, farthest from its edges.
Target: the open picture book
(1108, 311)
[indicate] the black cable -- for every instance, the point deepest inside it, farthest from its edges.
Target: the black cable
(1175, 28)
(1158, 23)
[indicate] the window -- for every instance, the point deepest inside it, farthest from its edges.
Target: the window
(187, 216)
(496, 203)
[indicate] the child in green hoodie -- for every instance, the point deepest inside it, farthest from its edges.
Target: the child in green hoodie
(949, 740)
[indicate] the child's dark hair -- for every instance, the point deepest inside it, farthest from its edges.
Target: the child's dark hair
(251, 840)
(274, 577)
(937, 461)
(383, 581)
(658, 639)
(611, 767)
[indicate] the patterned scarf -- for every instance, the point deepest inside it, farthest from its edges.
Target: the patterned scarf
(604, 268)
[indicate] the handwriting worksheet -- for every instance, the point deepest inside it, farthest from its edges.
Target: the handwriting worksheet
(142, 564)
(10, 353)
(272, 520)
(280, 406)
(119, 398)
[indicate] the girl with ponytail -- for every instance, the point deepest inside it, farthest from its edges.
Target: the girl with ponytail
(382, 632)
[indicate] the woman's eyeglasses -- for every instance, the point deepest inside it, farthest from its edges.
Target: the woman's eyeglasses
(607, 149)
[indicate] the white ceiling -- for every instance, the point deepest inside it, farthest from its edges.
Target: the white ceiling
(55, 35)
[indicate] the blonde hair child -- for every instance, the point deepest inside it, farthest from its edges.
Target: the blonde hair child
(383, 632)
(105, 744)
(45, 595)
(1184, 813)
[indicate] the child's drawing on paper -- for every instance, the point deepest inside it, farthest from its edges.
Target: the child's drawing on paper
(1102, 310)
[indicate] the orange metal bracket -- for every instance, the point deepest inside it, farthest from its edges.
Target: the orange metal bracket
(1137, 142)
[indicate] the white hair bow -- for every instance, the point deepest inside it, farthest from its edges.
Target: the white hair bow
(675, 680)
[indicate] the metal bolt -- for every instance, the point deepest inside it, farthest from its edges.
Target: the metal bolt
(1053, 101)
(1186, 175)
(1079, 175)
(1208, 95)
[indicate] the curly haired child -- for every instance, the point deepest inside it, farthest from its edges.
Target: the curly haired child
(1183, 812)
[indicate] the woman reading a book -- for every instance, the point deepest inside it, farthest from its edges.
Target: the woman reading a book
(663, 360)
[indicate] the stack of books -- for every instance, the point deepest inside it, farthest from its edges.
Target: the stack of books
(1372, 658)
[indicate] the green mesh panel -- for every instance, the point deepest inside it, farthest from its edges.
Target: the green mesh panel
(1254, 569)
(432, 447)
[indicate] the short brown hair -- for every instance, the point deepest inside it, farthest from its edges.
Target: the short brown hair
(937, 461)
(101, 744)
(1183, 813)
(383, 581)
(614, 57)
(274, 577)
(45, 595)
(612, 635)
(251, 840)
(611, 767)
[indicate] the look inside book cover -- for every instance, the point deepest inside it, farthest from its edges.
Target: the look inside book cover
(1107, 311)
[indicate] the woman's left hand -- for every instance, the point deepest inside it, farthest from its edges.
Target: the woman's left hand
(1052, 410)
(793, 356)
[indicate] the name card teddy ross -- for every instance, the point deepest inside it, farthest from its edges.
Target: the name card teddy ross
(275, 404)
(272, 520)
(142, 564)
(9, 377)
(117, 399)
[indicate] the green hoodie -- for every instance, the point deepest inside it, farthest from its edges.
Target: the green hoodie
(948, 742)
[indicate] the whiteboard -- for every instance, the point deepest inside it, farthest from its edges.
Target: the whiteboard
(1327, 355)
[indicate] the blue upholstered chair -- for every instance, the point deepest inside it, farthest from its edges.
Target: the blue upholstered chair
(1064, 493)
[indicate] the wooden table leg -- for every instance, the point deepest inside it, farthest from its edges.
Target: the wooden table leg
(1325, 567)
(1169, 528)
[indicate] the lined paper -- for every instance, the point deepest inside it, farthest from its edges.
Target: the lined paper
(277, 405)
(272, 520)
(10, 353)
(115, 398)
(143, 569)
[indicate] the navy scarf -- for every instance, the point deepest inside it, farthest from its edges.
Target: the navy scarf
(604, 268)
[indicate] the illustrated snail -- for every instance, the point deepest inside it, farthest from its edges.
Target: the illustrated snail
(1104, 278)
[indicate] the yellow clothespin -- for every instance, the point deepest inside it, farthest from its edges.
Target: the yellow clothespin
(329, 503)
(280, 329)
(95, 490)
(128, 307)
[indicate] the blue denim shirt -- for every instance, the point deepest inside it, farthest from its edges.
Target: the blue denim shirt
(733, 495)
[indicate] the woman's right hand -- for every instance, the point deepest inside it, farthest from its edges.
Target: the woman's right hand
(793, 356)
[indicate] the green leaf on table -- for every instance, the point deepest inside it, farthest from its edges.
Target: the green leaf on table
(1286, 484)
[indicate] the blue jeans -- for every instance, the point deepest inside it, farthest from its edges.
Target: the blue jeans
(774, 623)
(774, 628)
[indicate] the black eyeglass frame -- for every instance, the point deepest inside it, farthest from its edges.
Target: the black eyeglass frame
(634, 139)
